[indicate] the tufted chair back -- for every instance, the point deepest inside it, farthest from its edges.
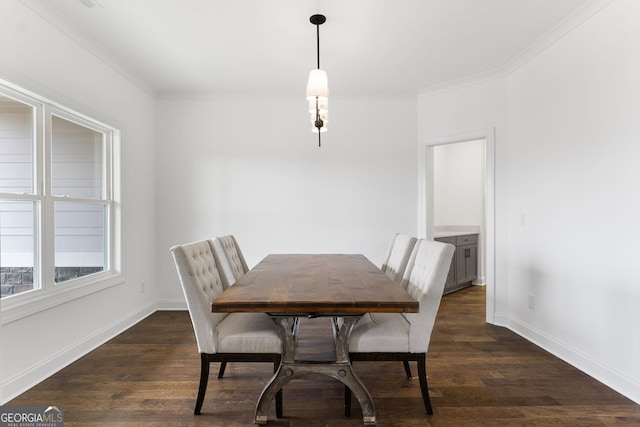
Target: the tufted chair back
(201, 284)
(424, 279)
(398, 254)
(230, 258)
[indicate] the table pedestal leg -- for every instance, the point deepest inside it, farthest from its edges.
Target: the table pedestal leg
(340, 369)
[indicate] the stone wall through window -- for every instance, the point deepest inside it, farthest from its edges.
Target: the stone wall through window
(15, 280)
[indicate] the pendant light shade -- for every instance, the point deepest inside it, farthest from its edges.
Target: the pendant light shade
(318, 85)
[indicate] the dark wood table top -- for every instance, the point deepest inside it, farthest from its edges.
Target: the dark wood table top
(316, 283)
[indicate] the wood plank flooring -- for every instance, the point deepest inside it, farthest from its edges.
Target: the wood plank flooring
(479, 375)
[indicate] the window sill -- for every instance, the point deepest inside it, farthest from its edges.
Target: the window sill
(30, 303)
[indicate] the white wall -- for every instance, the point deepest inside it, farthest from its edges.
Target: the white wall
(45, 60)
(253, 168)
(458, 181)
(574, 133)
(567, 191)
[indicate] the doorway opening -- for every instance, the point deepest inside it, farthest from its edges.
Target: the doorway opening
(456, 194)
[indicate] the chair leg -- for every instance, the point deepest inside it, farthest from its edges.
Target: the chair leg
(204, 378)
(422, 374)
(223, 366)
(407, 369)
(347, 401)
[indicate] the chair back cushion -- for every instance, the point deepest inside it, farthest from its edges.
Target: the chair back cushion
(230, 259)
(201, 284)
(398, 254)
(424, 279)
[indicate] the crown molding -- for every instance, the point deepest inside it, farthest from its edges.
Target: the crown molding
(463, 82)
(54, 18)
(559, 31)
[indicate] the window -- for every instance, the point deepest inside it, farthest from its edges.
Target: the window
(59, 225)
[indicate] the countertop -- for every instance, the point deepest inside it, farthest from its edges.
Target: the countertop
(438, 234)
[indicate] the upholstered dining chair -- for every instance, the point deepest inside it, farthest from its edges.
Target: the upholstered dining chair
(405, 336)
(221, 337)
(230, 258)
(232, 267)
(394, 265)
(397, 257)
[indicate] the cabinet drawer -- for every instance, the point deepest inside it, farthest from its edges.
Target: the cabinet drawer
(451, 240)
(467, 239)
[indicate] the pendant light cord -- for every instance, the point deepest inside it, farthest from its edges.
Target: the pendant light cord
(318, 43)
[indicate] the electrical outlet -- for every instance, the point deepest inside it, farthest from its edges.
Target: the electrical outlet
(532, 302)
(143, 287)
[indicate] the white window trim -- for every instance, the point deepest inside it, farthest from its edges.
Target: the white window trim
(49, 294)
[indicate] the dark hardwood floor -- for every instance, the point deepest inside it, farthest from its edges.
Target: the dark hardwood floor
(479, 375)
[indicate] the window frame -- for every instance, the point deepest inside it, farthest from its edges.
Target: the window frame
(49, 293)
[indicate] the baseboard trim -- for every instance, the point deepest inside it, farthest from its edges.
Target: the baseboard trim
(25, 380)
(171, 304)
(501, 319)
(606, 375)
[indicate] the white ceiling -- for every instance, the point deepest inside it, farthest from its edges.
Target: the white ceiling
(267, 47)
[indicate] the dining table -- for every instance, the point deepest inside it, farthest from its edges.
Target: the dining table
(291, 286)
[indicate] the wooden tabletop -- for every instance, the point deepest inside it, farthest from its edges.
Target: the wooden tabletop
(325, 283)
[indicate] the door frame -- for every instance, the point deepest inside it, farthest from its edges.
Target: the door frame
(425, 200)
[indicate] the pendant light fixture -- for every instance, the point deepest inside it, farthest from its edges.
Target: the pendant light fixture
(318, 88)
